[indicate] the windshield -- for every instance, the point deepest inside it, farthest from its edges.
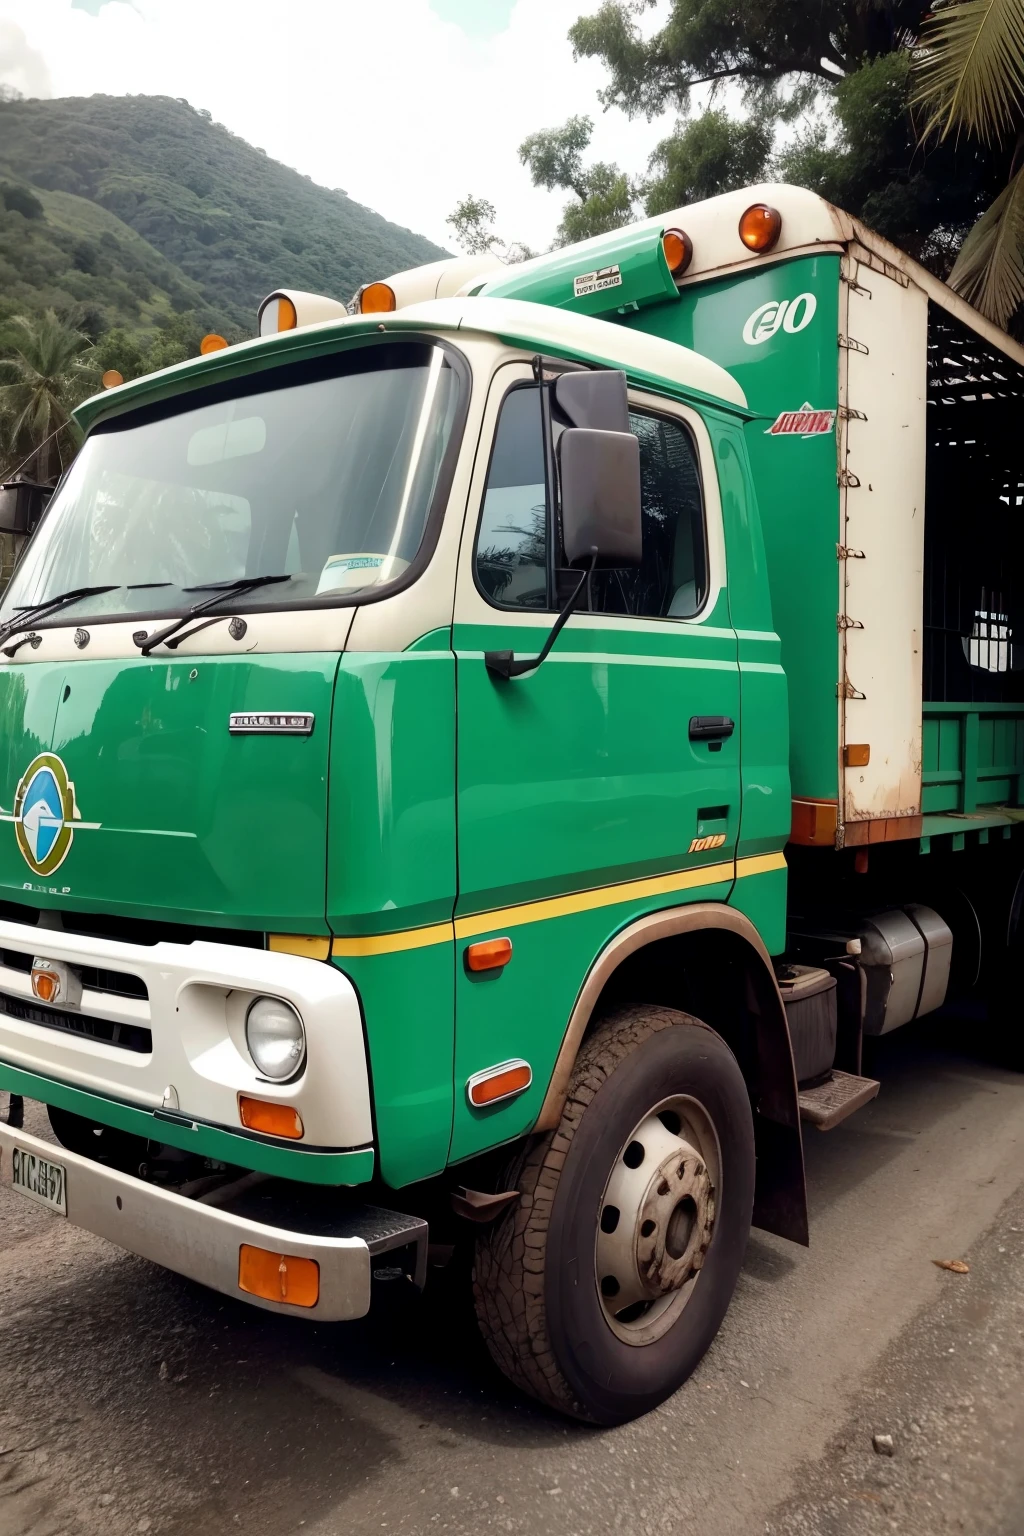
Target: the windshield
(325, 476)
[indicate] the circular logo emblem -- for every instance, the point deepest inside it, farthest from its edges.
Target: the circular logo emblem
(44, 813)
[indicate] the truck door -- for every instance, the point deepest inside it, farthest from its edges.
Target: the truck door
(605, 784)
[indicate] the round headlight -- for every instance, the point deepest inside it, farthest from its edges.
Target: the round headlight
(275, 1037)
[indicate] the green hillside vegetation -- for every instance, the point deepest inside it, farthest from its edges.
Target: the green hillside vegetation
(59, 251)
(149, 208)
(130, 226)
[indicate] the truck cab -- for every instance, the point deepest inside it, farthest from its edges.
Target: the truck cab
(405, 718)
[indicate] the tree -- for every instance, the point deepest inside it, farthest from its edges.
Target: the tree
(471, 220)
(761, 44)
(604, 195)
(122, 351)
(176, 341)
(45, 371)
(711, 154)
(21, 200)
(968, 77)
(839, 71)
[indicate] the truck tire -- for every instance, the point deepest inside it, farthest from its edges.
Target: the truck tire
(12, 1110)
(600, 1291)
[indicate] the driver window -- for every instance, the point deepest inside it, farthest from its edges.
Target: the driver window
(511, 546)
(671, 581)
(511, 551)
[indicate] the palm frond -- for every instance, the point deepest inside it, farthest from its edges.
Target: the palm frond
(989, 271)
(968, 69)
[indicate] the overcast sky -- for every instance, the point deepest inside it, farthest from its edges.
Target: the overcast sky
(405, 104)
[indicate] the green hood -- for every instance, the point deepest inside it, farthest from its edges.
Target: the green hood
(171, 816)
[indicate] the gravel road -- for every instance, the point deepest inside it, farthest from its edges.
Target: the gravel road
(133, 1401)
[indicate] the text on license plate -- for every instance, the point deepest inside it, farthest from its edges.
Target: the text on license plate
(40, 1179)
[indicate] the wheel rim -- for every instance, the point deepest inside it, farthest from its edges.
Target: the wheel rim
(656, 1219)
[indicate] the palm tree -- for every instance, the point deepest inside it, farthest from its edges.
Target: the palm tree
(45, 372)
(968, 76)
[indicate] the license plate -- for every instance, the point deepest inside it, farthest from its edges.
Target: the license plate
(40, 1180)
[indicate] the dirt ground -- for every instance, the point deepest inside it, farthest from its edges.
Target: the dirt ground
(134, 1401)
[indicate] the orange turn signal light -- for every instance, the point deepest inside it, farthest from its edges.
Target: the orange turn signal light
(857, 754)
(678, 249)
(45, 985)
(271, 1119)
(760, 227)
(212, 343)
(489, 954)
(377, 299)
(498, 1083)
(278, 1276)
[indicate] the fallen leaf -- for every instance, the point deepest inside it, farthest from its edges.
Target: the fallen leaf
(957, 1266)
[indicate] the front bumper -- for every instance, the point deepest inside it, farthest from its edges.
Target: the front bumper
(193, 1013)
(201, 1238)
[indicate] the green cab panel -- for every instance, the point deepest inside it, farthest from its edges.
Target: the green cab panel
(391, 884)
(391, 835)
(776, 329)
(173, 817)
(765, 793)
(583, 802)
(29, 696)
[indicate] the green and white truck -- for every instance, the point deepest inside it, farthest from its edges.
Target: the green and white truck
(479, 760)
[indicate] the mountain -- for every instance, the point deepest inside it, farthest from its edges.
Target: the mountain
(143, 207)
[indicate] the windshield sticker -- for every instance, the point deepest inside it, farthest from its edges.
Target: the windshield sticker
(790, 315)
(806, 422)
(594, 282)
(345, 573)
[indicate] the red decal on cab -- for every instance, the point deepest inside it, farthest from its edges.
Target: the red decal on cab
(806, 422)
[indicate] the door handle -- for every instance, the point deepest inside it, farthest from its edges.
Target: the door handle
(711, 727)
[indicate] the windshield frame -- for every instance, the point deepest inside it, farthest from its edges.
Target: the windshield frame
(260, 380)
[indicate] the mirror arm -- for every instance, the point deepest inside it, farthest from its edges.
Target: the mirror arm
(504, 663)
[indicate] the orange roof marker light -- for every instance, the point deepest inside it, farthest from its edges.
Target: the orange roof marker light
(111, 379)
(496, 1084)
(212, 343)
(678, 249)
(271, 1119)
(376, 299)
(760, 228)
(278, 1276)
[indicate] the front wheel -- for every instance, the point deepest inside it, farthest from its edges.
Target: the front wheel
(602, 1289)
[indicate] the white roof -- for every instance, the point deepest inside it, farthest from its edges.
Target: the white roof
(602, 341)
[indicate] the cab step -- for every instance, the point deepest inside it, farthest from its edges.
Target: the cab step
(832, 1102)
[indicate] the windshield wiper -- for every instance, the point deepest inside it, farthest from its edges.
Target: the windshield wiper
(36, 611)
(217, 589)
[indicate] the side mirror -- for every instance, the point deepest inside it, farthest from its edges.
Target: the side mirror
(22, 504)
(594, 398)
(600, 497)
(599, 460)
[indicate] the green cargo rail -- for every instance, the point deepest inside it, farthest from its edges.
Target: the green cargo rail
(973, 767)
